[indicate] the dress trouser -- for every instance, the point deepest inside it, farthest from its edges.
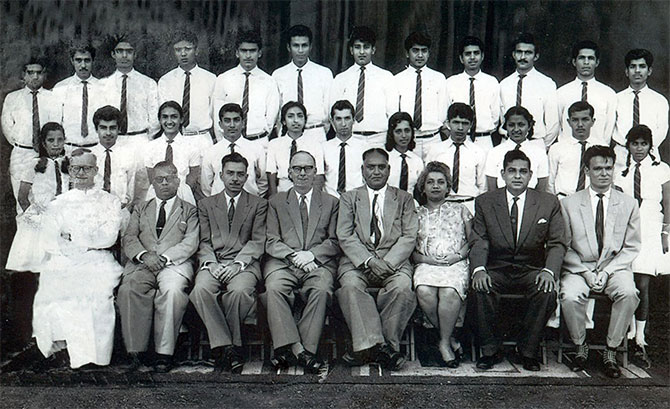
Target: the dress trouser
(316, 288)
(540, 306)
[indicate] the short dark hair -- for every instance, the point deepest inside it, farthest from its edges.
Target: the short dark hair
(581, 106)
(185, 35)
(598, 150)
(299, 30)
(364, 34)
(234, 158)
(340, 106)
(638, 53)
(121, 38)
(107, 113)
(40, 60)
(519, 110)
(171, 104)
(588, 44)
(231, 107)
(526, 38)
(461, 110)
(284, 111)
(470, 40)
(420, 188)
(418, 38)
(249, 36)
(373, 151)
(167, 166)
(515, 154)
(394, 120)
(82, 48)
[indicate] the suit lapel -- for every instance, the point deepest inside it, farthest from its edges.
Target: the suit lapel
(240, 214)
(502, 214)
(588, 221)
(221, 216)
(294, 213)
(151, 212)
(363, 210)
(314, 215)
(174, 216)
(390, 210)
(530, 208)
(610, 220)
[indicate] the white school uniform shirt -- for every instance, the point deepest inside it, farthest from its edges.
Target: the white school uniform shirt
(68, 95)
(17, 114)
(414, 168)
(263, 98)
(653, 113)
(471, 165)
(210, 171)
(533, 148)
(381, 96)
(316, 81)
(604, 102)
(487, 97)
(564, 160)
(141, 99)
(279, 156)
(122, 175)
(434, 97)
(171, 88)
(353, 152)
(538, 96)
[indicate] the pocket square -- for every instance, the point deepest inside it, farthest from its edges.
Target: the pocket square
(542, 221)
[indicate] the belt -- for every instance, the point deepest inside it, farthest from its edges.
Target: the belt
(81, 145)
(366, 133)
(561, 194)
(428, 135)
(256, 136)
(136, 132)
(314, 126)
(192, 133)
(23, 146)
(463, 200)
(479, 134)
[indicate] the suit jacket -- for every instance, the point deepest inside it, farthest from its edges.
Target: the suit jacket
(244, 241)
(284, 230)
(400, 227)
(621, 243)
(178, 241)
(541, 242)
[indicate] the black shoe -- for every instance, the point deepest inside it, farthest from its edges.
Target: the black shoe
(581, 357)
(609, 361)
(236, 360)
(283, 358)
(486, 362)
(530, 364)
(389, 358)
(221, 357)
(351, 358)
(309, 361)
(134, 362)
(639, 355)
(163, 363)
(89, 367)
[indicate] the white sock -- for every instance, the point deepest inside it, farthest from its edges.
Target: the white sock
(631, 329)
(297, 348)
(639, 332)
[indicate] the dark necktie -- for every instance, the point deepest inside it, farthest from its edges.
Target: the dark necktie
(160, 223)
(456, 168)
(84, 109)
(168, 151)
(472, 105)
(637, 180)
(636, 108)
(519, 89)
(360, 96)
(36, 122)
(304, 219)
(245, 102)
(404, 172)
(417, 101)
(517, 147)
(514, 218)
(342, 170)
(300, 87)
(294, 149)
(600, 222)
(232, 148)
(374, 222)
(186, 99)
(107, 173)
(59, 178)
(584, 91)
(581, 180)
(123, 129)
(231, 213)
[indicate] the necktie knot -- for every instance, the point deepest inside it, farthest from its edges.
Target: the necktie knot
(84, 82)
(637, 165)
(472, 79)
(521, 76)
(418, 72)
(583, 143)
(343, 144)
(124, 76)
(299, 70)
(584, 83)
(169, 141)
(636, 92)
(363, 68)
(403, 155)
(187, 73)
(247, 74)
(34, 92)
(515, 199)
(600, 195)
(302, 199)
(458, 144)
(232, 201)
(108, 149)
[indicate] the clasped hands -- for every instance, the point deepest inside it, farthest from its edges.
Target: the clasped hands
(596, 280)
(223, 273)
(481, 281)
(153, 261)
(304, 260)
(379, 268)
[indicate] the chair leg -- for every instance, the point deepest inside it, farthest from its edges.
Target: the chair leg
(412, 346)
(560, 345)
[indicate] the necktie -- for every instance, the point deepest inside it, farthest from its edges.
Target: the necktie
(374, 222)
(472, 105)
(168, 151)
(160, 223)
(300, 89)
(36, 122)
(186, 99)
(106, 184)
(584, 91)
(514, 218)
(342, 170)
(456, 168)
(517, 147)
(304, 218)
(417, 101)
(232, 148)
(637, 180)
(245, 102)
(581, 181)
(231, 213)
(59, 178)
(600, 222)
(636, 108)
(294, 149)
(360, 97)
(519, 86)
(84, 109)
(123, 129)
(404, 173)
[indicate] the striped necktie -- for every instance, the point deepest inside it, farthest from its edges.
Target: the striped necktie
(36, 121)
(300, 86)
(417, 102)
(636, 108)
(186, 99)
(584, 91)
(84, 109)
(519, 89)
(123, 128)
(474, 111)
(245, 102)
(360, 97)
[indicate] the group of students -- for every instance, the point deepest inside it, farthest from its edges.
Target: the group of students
(339, 215)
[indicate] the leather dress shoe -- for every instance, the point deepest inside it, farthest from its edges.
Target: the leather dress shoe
(356, 358)
(389, 358)
(609, 361)
(581, 357)
(221, 357)
(236, 360)
(530, 364)
(283, 358)
(309, 361)
(487, 361)
(163, 363)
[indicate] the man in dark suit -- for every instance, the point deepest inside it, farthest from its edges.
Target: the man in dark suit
(518, 245)
(302, 254)
(232, 241)
(377, 227)
(159, 242)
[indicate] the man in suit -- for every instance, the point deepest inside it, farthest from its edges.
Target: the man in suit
(302, 254)
(603, 236)
(160, 239)
(377, 227)
(232, 241)
(518, 245)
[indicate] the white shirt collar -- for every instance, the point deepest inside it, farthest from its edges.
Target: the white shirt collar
(381, 192)
(236, 199)
(594, 194)
(304, 67)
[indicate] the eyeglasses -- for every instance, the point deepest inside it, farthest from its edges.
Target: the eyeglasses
(75, 169)
(161, 179)
(306, 169)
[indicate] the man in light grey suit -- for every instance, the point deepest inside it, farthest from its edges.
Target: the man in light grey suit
(603, 231)
(159, 242)
(232, 241)
(302, 254)
(377, 227)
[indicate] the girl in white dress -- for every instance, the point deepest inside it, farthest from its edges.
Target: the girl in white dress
(647, 179)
